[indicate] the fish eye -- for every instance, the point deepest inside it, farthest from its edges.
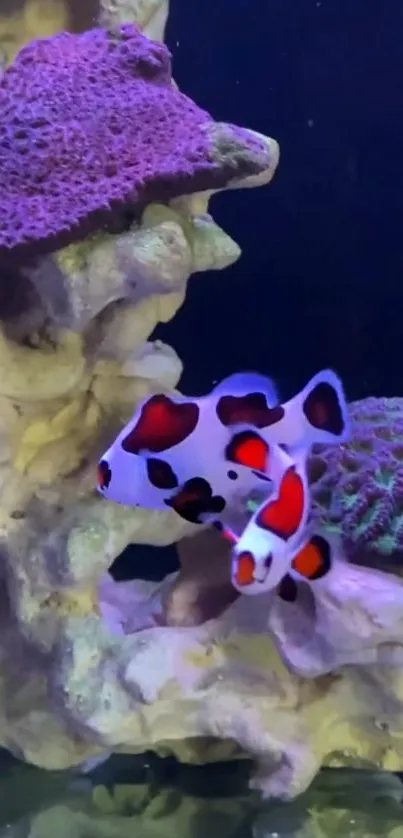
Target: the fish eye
(268, 560)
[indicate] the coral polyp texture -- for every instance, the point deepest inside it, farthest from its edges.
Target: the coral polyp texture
(358, 487)
(93, 128)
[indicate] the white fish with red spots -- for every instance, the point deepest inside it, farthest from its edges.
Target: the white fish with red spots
(198, 455)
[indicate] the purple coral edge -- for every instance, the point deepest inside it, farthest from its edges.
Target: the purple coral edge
(92, 129)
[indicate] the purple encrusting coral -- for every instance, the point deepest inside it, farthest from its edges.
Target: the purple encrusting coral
(357, 489)
(91, 125)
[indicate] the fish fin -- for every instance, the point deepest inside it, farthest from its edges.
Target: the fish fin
(284, 515)
(229, 535)
(194, 500)
(324, 405)
(242, 383)
(314, 560)
(287, 589)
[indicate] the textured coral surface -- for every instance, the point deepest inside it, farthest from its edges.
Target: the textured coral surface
(358, 488)
(91, 124)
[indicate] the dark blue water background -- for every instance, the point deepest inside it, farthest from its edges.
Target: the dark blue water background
(320, 281)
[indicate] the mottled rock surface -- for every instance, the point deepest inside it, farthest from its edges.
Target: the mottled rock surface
(224, 680)
(75, 360)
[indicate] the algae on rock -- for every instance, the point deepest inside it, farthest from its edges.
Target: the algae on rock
(75, 360)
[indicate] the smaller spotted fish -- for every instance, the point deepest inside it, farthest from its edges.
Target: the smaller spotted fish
(197, 456)
(275, 530)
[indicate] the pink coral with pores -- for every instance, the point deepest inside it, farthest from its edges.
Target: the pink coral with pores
(91, 128)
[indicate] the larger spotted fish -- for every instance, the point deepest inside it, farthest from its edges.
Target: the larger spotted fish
(201, 456)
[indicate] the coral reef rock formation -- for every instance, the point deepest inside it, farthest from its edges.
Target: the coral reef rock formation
(150, 15)
(92, 129)
(224, 680)
(355, 616)
(153, 259)
(75, 360)
(88, 665)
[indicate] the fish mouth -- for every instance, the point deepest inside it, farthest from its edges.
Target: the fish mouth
(248, 575)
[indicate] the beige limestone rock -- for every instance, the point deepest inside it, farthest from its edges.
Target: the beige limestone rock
(203, 589)
(121, 331)
(29, 20)
(353, 616)
(78, 283)
(150, 15)
(75, 360)
(225, 680)
(211, 247)
(154, 260)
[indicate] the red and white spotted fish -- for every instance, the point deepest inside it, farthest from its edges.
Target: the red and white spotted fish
(199, 455)
(276, 529)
